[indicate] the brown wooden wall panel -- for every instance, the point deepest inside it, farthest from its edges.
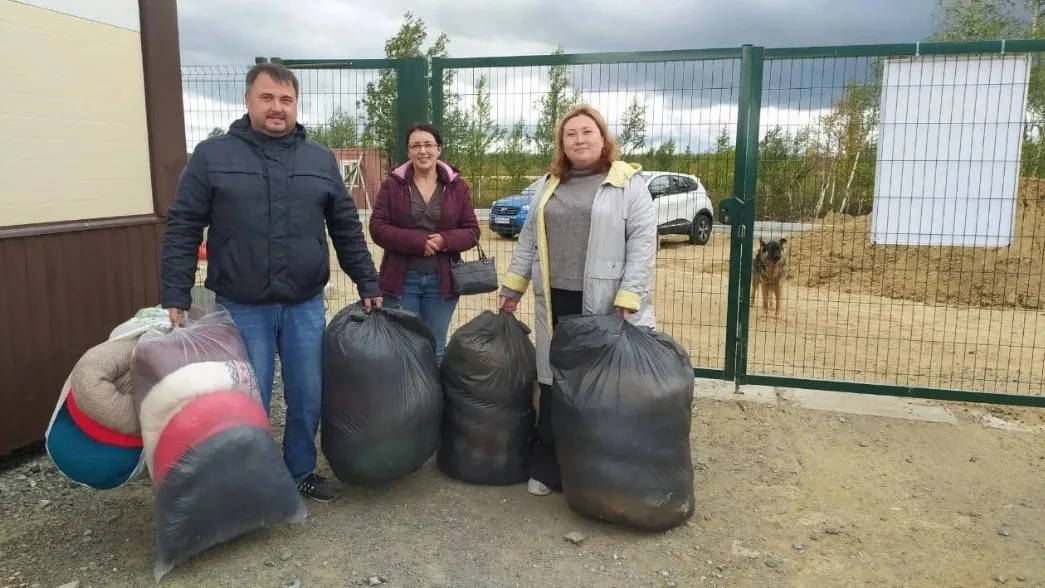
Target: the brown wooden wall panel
(61, 294)
(161, 62)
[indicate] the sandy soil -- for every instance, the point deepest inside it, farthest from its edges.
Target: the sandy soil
(830, 333)
(786, 497)
(842, 257)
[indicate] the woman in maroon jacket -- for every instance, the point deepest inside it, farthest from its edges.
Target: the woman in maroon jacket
(423, 219)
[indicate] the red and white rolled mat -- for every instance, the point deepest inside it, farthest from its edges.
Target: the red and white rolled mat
(177, 389)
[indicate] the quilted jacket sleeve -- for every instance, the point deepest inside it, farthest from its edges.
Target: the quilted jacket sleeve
(640, 233)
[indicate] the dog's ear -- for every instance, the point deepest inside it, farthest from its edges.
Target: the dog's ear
(761, 243)
(783, 240)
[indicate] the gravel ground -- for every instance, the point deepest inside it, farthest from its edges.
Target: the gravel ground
(786, 497)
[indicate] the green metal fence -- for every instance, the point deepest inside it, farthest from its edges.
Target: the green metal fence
(498, 115)
(904, 179)
(924, 275)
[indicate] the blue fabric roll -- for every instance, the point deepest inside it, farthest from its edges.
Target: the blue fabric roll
(84, 460)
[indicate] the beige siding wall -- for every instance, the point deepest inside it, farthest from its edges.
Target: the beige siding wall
(74, 140)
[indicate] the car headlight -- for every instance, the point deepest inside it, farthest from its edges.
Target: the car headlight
(525, 208)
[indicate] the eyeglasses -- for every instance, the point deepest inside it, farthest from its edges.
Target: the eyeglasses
(425, 146)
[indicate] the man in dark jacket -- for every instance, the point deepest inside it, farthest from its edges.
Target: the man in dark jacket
(269, 195)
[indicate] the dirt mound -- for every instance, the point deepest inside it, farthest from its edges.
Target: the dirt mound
(840, 255)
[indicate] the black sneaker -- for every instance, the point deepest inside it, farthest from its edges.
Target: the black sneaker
(318, 488)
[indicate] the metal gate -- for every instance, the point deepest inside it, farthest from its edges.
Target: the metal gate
(788, 143)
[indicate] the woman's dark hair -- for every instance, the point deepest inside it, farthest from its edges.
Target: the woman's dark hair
(425, 128)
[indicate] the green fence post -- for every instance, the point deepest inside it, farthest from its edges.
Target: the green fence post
(739, 212)
(411, 98)
(747, 235)
(732, 211)
(437, 92)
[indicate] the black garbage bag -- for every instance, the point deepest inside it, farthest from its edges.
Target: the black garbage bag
(621, 414)
(217, 490)
(382, 398)
(488, 375)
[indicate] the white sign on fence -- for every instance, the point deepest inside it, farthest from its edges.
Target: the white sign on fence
(949, 143)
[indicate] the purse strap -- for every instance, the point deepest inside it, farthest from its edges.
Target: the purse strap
(482, 256)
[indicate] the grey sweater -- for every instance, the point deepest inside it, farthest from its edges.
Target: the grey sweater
(567, 219)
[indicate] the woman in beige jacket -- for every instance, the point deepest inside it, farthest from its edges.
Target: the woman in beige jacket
(589, 246)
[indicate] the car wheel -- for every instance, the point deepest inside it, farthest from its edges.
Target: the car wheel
(700, 230)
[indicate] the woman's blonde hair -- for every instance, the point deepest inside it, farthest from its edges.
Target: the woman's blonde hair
(610, 150)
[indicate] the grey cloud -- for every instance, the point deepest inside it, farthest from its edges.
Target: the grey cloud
(234, 31)
(223, 36)
(804, 84)
(623, 26)
(619, 25)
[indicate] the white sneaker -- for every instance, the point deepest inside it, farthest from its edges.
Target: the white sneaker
(537, 488)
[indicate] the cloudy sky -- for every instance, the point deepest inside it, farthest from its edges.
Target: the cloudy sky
(234, 31)
(687, 102)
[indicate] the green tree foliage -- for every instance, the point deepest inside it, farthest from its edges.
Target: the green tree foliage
(379, 101)
(479, 134)
(715, 169)
(979, 20)
(663, 158)
(340, 131)
(632, 135)
(553, 105)
(515, 156)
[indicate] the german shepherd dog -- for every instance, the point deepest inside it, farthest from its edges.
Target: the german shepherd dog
(768, 270)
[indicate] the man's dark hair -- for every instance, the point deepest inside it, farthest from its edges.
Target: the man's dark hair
(424, 128)
(276, 71)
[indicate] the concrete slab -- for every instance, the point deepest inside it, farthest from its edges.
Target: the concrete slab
(867, 404)
(992, 422)
(911, 409)
(726, 391)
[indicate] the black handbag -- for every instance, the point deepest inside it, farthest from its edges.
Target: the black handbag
(474, 277)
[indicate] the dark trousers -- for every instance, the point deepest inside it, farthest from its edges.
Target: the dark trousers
(545, 466)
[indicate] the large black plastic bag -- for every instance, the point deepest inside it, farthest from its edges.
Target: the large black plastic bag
(382, 398)
(488, 374)
(621, 414)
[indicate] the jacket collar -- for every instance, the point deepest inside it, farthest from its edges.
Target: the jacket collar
(445, 171)
(617, 176)
(241, 128)
(620, 171)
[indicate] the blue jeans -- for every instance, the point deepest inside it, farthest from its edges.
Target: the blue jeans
(295, 331)
(421, 295)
